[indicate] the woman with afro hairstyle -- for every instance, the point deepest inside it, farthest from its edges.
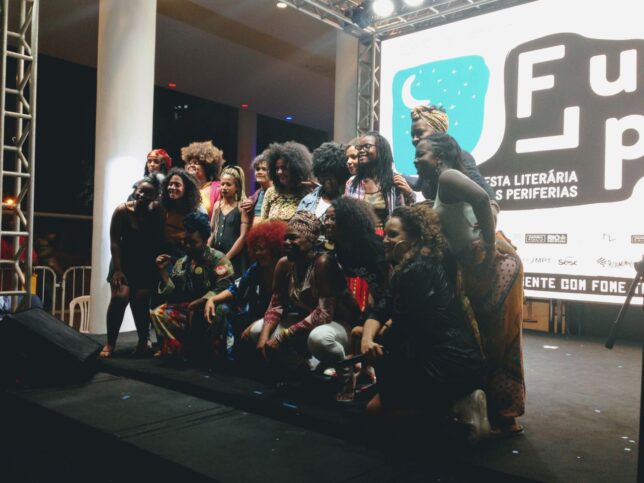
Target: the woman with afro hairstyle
(204, 160)
(289, 167)
(179, 196)
(430, 357)
(330, 169)
(251, 294)
(375, 181)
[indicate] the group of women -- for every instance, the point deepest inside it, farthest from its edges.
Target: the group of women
(334, 256)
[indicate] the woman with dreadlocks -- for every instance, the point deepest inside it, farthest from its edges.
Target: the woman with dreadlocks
(375, 181)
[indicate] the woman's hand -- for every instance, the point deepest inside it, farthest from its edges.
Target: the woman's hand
(261, 346)
(209, 310)
(196, 304)
(401, 183)
(274, 343)
(370, 349)
(163, 261)
(246, 334)
(118, 279)
(246, 205)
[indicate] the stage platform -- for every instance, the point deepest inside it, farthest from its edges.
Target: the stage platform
(581, 423)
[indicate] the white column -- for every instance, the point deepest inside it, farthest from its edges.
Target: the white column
(345, 118)
(247, 145)
(124, 108)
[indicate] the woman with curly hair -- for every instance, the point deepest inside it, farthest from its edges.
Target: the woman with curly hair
(491, 269)
(204, 160)
(350, 228)
(330, 169)
(193, 279)
(179, 196)
(252, 293)
(375, 181)
(430, 357)
(229, 222)
(289, 167)
(135, 238)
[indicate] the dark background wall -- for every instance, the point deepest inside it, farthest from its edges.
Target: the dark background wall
(65, 142)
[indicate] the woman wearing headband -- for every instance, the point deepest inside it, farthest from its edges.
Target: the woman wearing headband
(311, 310)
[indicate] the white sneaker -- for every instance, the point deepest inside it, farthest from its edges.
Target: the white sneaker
(472, 412)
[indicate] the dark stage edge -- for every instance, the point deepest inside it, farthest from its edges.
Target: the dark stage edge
(582, 401)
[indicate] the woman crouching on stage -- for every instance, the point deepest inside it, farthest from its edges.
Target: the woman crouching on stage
(311, 307)
(195, 277)
(429, 357)
(251, 295)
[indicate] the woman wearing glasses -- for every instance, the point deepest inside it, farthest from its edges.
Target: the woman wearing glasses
(375, 181)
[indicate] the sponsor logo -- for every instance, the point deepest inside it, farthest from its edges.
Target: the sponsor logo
(547, 238)
(567, 261)
(637, 238)
(539, 260)
(607, 263)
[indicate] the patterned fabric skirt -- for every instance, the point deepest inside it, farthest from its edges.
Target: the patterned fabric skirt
(497, 300)
(188, 334)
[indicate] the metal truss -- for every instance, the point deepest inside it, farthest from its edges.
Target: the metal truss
(368, 85)
(19, 53)
(340, 14)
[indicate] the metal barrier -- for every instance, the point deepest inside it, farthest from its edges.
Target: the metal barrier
(46, 288)
(74, 283)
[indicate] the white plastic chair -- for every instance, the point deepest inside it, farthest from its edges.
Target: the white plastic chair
(83, 303)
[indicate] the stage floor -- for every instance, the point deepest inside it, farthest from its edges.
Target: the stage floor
(582, 420)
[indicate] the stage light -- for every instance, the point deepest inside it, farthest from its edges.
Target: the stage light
(172, 85)
(383, 8)
(9, 202)
(413, 3)
(281, 5)
(244, 106)
(289, 118)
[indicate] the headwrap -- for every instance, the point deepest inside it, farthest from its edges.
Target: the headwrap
(434, 116)
(307, 225)
(160, 152)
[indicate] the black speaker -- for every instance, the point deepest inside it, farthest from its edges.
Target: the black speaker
(37, 347)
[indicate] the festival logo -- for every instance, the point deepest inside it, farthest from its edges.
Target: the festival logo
(574, 118)
(458, 85)
(574, 125)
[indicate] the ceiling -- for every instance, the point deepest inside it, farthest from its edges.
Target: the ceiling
(279, 61)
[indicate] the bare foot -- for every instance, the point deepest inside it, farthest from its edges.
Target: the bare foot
(106, 352)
